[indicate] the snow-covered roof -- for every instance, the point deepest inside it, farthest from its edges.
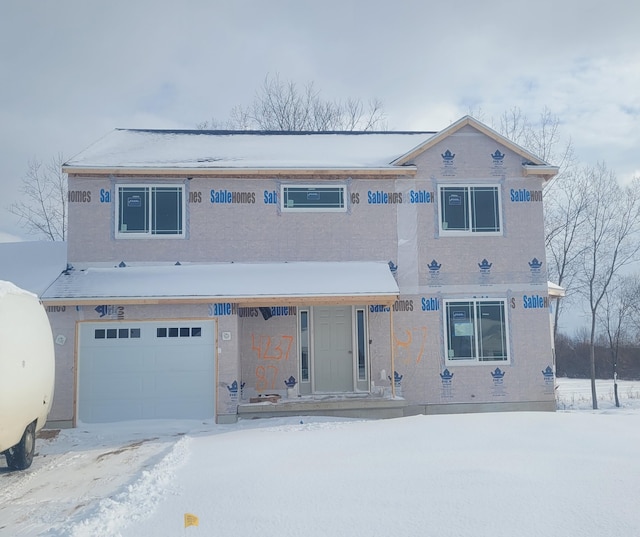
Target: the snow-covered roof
(246, 283)
(535, 161)
(32, 265)
(199, 149)
(555, 290)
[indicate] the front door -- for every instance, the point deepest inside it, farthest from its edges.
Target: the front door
(333, 349)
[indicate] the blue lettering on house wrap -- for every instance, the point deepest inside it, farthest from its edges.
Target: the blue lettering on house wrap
(270, 198)
(535, 302)
(430, 304)
(379, 197)
(279, 311)
(524, 195)
(227, 197)
(420, 196)
(220, 196)
(219, 310)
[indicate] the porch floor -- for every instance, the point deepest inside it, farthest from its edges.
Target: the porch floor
(345, 406)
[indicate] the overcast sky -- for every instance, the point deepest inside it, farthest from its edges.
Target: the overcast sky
(73, 70)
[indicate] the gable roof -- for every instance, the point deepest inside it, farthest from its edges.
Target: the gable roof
(166, 152)
(533, 165)
(203, 151)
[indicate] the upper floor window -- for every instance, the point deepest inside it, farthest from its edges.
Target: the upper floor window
(476, 330)
(470, 209)
(144, 211)
(313, 198)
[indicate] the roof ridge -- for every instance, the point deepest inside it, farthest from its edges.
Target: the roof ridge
(269, 132)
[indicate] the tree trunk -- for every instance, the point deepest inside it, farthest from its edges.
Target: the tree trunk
(592, 353)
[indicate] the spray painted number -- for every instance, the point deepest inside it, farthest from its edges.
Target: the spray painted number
(407, 345)
(271, 348)
(266, 377)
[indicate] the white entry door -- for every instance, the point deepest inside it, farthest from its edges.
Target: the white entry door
(333, 349)
(131, 370)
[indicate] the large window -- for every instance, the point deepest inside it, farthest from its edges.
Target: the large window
(470, 209)
(476, 331)
(313, 198)
(150, 211)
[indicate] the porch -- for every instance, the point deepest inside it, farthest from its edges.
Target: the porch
(366, 406)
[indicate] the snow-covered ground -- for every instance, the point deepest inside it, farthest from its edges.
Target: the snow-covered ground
(575, 394)
(573, 472)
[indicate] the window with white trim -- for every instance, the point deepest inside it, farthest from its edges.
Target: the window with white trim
(476, 331)
(305, 198)
(466, 209)
(150, 211)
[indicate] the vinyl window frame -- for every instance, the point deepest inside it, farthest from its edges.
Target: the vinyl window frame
(361, 345)
(150, 193)
(471, 203)
(476, 331)
(311, 189)
(304, 346)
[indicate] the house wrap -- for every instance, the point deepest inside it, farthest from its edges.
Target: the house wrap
(231, 274)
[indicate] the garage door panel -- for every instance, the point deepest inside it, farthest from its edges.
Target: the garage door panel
(113, 386)
(183, 408)
(176, 343)
(146, 377)
(111, 411)
(115, 362)
(182, 382)
(181, 362)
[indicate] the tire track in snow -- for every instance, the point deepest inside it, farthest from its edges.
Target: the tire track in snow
(137, 501)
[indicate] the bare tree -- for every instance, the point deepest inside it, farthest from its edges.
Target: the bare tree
(542, 137)
(283, 106)
(565, 214)
(564, 198)
(612, 226)
(44, 208)
(616, 317)
(634, 313)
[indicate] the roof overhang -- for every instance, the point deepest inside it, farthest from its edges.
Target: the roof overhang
(391, 171)
(555, 291)
(545, 171)
(535, 163)
(245, 284)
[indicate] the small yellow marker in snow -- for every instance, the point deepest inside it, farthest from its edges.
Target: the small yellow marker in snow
(190, 520)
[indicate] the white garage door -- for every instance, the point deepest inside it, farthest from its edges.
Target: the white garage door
(146, 370)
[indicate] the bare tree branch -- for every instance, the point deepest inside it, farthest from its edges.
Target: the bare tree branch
(612, 242)
(282, 106)
(44, 208)
(564, 198)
